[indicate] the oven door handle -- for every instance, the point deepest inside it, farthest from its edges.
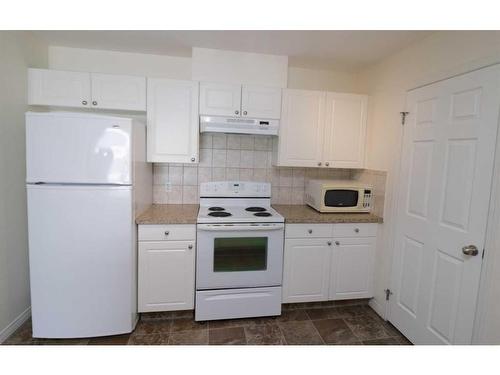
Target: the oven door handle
(246, 228)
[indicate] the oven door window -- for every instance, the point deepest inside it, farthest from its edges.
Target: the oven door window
(240, 254)
(341, 198)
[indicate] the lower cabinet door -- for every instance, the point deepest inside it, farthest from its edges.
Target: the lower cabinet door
(352, 268)
(166, 275)
(306, 270)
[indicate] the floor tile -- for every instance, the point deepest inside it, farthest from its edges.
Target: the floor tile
(151, 339)
(404, 341)
(197, 337)
(161, 315)
(323, 313)
(22, 336)
(300, 333)
(335, 331)
(227, 336)
(292, 316)
(147, 327)
(60, 341)
(351, 311)
(266, 334)
(366, 327)
(386, 341)
(187, 324)
(110, 340)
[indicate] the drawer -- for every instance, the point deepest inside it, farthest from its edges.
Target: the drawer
(177, 232)
(355, 230)
(308, 230)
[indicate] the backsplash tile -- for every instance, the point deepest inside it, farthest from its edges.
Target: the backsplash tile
(248, 158)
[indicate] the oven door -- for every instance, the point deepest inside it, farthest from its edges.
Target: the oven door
(239, 255)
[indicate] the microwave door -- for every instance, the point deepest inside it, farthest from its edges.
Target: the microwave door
(342, 198)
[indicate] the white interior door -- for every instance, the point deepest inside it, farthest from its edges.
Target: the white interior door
(447, 162)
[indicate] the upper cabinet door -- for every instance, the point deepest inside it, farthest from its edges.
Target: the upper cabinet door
(58, 88)
(173, 121)
(345, 128)
(301, 128)
(220, 99)
(261, 102)
(111, 91)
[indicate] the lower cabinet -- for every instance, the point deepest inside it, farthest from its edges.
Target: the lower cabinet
(166, 273)
(302, 256)
(328, 267)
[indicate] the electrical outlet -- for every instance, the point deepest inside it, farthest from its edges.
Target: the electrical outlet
(168, 186)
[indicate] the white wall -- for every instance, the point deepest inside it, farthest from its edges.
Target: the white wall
(213, 65)
(87, 60)
(441, 55)
(19, 51)
(113, 62)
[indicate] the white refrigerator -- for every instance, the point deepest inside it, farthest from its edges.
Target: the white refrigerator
(87, 178)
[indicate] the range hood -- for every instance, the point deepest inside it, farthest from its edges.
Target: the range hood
(238, 125)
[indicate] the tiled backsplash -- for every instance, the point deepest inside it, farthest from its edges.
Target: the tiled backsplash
(225, 157)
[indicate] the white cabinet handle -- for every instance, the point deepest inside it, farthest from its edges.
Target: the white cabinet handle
(167, 233)
(329, 243)
(319, 164)
(193, 159)
(236, 112)
(94, 103)
(190, 247)
(245, 112)
(84, 102)
(356, 230)
(327, 164)
(310, 231)
(337, 243)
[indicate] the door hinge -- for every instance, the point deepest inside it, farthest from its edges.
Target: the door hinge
(403, 117)
(387, 294)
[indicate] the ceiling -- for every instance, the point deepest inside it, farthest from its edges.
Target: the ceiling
(339, 50)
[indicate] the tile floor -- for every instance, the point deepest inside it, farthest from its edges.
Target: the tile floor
(342, 322)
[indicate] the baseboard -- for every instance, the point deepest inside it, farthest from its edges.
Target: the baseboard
(377, 307)
(15, 324)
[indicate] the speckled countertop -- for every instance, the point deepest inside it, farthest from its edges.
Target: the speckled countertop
(187, 214)
(169, 214)
(305, 214)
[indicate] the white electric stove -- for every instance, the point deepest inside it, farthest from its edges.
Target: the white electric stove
(239, 256)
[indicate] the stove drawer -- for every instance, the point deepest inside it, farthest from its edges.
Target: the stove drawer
(308, 230)
(176, 232)
(237, 303)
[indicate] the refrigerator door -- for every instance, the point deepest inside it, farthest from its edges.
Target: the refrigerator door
(82, 260)
(78, 148)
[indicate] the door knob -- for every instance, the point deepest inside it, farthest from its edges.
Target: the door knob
(470, 250)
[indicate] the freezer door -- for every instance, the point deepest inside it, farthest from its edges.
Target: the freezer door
(78, 148)
(82, 261)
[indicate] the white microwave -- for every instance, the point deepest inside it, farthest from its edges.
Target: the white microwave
(338, 196)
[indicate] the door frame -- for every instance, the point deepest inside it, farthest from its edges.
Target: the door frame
(492, 237)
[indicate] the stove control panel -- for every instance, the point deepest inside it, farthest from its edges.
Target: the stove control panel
(245, 189)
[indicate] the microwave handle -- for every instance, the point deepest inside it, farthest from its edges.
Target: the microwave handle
(246, 228)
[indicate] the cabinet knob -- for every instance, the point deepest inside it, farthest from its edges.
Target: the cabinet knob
(193, 159)
(356, 230)
(245, 112)
(310, 231)
(319, 164)
(167, 233)
(94, 103)
(190, 247)
(337, 243)
(84, 102)
(327, 164)
(236, 112)
(329, 243)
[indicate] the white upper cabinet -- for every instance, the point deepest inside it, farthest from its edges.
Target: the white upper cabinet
(86, 90)
(235, 100)
(58, 88)
(260, 102)
(345, 129)
(301, 129)
(220, 99)
(173, 122)
(111, 91)
(320, 129)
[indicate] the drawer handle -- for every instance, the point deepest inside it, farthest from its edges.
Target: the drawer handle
(356, 230)
(190, 247)
(329, 243)
(337, 243)
(310, 231)
(167, 233)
